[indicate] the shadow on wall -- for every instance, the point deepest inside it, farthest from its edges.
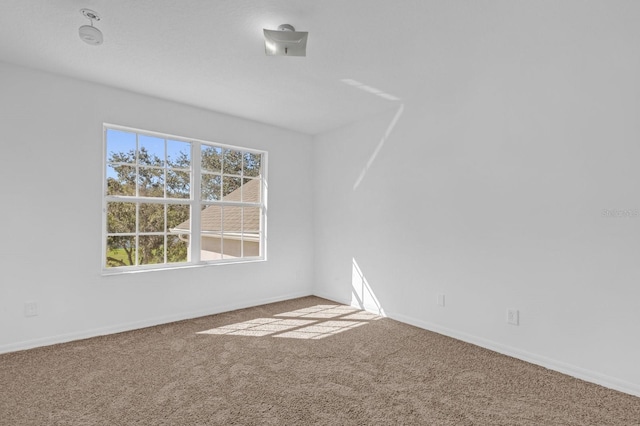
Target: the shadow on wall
(361, 293)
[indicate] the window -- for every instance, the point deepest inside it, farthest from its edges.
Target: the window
(171, 201)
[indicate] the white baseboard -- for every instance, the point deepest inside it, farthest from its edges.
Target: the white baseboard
(551, 364)
(118, 328)
(561, 367)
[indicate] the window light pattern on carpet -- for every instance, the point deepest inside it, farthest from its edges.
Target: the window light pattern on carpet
(315, 322)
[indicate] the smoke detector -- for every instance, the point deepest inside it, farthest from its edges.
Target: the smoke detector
(88, 33)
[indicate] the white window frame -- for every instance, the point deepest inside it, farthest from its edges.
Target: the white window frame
(194, 201)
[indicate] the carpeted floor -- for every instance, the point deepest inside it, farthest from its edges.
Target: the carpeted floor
(301, 362)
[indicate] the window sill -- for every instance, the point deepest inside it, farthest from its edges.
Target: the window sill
(113, 271)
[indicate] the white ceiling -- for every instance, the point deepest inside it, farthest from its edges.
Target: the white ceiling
(210, 53)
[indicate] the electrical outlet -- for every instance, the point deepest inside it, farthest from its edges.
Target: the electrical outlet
(513, 317)
(440, 300)
(30, 309)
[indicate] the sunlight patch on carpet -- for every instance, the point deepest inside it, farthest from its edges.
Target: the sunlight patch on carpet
(327, 320)
(320, 331)
(258, 327)
(320, 311)
(363, 315)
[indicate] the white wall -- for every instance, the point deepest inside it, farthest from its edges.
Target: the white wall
(50, 250)
(487, 184)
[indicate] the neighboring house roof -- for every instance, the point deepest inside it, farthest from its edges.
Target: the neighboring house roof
(212, 217)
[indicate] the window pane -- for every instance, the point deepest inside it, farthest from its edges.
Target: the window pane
(232, 232)
(177, 248)
(251, 232)
(251, 247)
(251, 190)
(151, 182)
(150, 249)
(121, 146)
(121, 218)
(210, 247)
(211, 186)
(232, 163)
(121, 180)
(230, 188)
(151, 217)
(231, 247)
(210, 236)
(251, 220)
(178, 184)
(211, 159)
(179, 154)
(120, 251)
(211, 219)
(178, 218)
(252, 164)
(232, 223)
(151, 151)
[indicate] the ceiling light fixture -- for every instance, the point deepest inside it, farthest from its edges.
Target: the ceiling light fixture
(285, 41)
(88, 33)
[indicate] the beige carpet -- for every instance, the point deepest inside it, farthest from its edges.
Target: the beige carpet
(300, 362)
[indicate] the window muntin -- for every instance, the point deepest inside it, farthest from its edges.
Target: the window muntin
(160, 190)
